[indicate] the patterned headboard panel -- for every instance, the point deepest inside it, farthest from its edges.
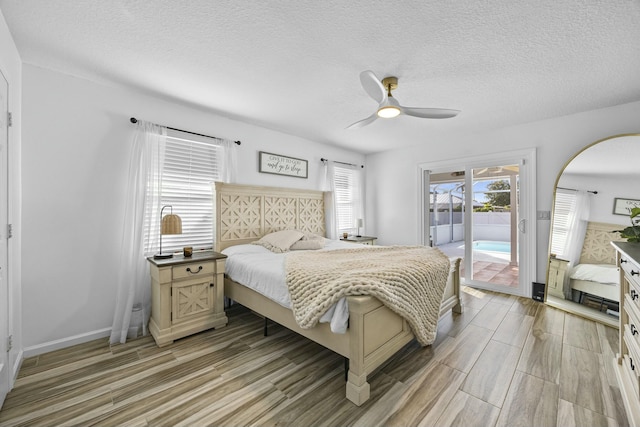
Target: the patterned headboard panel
(597, 247)
(245, 213)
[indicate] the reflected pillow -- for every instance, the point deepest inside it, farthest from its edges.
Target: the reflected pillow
(279, 241)
(603, 273)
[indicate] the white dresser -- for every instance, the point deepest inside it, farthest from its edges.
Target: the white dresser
(627, 361)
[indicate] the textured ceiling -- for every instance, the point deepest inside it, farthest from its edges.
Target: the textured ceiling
(294, 66)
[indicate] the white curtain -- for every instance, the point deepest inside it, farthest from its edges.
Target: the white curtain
(230, 162)
(577, 228)
(139, 238)
(329, 201)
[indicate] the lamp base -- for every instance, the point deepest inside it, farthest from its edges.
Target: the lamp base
(162, 256)
(358, 235)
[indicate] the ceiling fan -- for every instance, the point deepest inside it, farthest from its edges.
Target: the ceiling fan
(388, 107)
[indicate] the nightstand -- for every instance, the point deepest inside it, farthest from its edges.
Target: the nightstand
(557, 271)
(187, 295)
(364, 240)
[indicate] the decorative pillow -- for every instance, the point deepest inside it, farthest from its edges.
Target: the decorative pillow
(603, 273)
(280, 241)
(308, 244)
(311, 236)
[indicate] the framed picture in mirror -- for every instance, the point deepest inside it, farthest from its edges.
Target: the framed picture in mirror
(624, 206)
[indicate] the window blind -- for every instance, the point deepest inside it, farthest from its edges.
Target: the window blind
(190, 168)
(565, 205)
(346, 187)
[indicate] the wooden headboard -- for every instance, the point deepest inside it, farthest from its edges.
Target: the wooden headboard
(245, 213)
(597, 247)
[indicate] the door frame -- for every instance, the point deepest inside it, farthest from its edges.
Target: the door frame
(5, 306)
(527, 160)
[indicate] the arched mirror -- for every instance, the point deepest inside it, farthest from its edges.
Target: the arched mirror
(592, 196)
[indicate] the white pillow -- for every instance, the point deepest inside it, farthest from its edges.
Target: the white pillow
(603, 273)
(280, 241)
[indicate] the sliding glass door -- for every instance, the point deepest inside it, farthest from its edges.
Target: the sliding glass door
(494, 236)
(479, 209)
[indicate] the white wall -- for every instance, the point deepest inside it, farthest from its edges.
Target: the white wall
(11, 66)
(394, 174)
(608, 188)
(76, 140)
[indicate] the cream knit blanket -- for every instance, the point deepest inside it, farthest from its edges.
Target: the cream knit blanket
(410, 280)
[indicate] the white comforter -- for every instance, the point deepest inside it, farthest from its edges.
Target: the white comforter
(263, 271)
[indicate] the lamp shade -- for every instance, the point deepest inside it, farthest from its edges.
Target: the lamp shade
(171, 224)
(359, 222)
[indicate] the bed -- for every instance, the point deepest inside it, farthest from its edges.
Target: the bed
(375, 333)
(596, 273)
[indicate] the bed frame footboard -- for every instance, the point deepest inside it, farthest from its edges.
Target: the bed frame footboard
(374, 335)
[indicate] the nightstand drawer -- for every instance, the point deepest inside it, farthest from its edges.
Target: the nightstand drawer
(195, 269)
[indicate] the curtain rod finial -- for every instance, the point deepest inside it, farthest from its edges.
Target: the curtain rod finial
(133, 120)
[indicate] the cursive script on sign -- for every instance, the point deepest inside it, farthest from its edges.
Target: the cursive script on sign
(282, 165)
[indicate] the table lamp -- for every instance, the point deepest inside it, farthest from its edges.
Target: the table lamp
(359, 223)
(171, 224)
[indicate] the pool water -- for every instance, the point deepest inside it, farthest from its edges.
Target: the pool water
(490, 246)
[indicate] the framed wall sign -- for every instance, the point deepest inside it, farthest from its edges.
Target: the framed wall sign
(282, 165)
(624, 206)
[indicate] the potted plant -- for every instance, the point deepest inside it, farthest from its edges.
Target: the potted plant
(632, 234)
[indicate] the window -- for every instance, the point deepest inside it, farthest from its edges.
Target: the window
(348, 197)
(191, 165)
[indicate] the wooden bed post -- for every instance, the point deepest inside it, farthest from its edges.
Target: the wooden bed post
(358, 389)
(456, 279)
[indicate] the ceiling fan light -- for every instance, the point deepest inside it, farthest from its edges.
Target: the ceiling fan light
(388, 112)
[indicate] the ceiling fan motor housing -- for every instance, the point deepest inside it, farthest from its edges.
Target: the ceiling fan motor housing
(390, 83)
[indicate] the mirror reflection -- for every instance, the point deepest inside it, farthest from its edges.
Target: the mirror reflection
(591, 201)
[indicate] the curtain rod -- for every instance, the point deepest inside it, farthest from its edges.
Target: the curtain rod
(573, 189)
(342, 163)
(134, 120)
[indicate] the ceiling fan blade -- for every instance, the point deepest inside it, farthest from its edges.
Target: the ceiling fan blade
(363, 122)
(373, 86)
(430, 113)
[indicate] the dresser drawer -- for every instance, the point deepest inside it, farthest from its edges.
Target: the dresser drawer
(632, 360)
(192, 270)
(631, 293)
(631, 271)
(631, 373)
(633, 323)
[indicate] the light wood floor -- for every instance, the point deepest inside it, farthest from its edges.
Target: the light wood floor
(506, 361)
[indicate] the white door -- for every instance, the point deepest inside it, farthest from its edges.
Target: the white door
(4, 291)
(483, 210)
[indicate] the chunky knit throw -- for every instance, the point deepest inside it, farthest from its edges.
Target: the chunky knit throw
(410, 280)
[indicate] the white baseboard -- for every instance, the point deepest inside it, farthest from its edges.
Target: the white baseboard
(66, 342)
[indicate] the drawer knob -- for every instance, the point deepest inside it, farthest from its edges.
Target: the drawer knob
(622, 261)
(634, 294)
(635, 273)
(633, 367)
(194, 272)
(634, 330)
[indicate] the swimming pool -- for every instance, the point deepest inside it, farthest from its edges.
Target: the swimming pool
(491, 246)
